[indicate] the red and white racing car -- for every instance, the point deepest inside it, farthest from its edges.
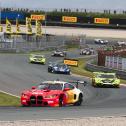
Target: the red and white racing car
(52, 93)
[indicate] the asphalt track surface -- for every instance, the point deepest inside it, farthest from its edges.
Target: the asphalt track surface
(16, 74)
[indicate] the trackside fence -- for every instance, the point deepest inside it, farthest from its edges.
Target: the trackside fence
(33, 43)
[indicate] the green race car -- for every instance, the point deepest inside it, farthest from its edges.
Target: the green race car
(37, 58)
(105, 79)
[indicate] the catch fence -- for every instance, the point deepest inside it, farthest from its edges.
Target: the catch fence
(26, 43)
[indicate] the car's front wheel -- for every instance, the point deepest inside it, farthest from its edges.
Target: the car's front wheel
(61, 101)
(48, 70)
(69, 73)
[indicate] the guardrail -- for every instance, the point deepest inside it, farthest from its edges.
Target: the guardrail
(91, 67)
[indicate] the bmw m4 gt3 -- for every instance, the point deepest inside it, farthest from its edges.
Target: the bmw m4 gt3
(105, 79)
(58, 68)
(35, 58)
(52, 93)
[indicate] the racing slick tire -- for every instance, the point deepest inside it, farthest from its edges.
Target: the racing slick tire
(93, 84)
(80, 100)
(25, 105)
(61, 101)
(69, 73)
(31, 62)
(49, 70)
(43, 63)
(117, 86)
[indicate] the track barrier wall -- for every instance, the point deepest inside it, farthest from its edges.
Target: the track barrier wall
(94, 68)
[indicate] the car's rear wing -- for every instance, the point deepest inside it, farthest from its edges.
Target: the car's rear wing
(84, 83)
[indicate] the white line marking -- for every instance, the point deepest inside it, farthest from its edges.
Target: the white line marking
(9, 94)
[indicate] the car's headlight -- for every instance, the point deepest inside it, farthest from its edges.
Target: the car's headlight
(97, 80)
(51, 96)
(67, 70)
(117, 81)
(31, 58)
(24, 95)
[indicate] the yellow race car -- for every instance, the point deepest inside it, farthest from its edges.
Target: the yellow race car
(101, 79)
(37, 58)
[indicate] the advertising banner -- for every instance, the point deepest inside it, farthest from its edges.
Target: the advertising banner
(17, 27)
(107, 61)
(111, 61)
(28, 26)
(8, 26)
(38, 28)
(123, 63)
(37, 17)
(119, 63)
(71, 62)
(101, 20)
(69, 19)
(115, 62)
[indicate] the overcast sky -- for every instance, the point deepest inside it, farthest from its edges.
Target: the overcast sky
(88, 4)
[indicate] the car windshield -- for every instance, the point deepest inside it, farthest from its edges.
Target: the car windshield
(38, 56)
(44, 86)
(105, 76)
(62, 65)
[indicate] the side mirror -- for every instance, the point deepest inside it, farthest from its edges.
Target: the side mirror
(66, 89)
(33, 87)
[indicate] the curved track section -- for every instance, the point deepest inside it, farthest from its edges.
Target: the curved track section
(16, 74)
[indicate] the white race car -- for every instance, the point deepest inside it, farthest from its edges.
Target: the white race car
(121, 43)
(101, 41)
(59, 53)
(87, 51)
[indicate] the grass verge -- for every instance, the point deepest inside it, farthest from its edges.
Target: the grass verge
(8, 100)
(80, 70)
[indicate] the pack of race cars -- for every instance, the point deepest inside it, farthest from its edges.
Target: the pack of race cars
(62, 93)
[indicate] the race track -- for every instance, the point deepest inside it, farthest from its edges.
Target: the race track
(16, 74)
